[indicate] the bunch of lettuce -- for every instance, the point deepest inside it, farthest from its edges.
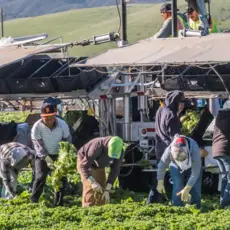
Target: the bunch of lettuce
(189, 121)
(65, 166)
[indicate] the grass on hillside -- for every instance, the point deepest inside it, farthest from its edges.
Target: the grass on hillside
(76, 25)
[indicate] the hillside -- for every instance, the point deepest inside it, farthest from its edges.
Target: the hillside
(75, 25)
(28, 8)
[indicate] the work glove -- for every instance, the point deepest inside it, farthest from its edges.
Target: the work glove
(94, 185)
(161, 187)
(49, 161)
(184, 193)
(203, 152)
(212, 169)
(106, 193)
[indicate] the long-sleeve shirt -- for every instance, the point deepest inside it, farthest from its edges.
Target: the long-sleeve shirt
(46, 140)
(166, 29)
(194, 153)
(94, 154)
(6, 152)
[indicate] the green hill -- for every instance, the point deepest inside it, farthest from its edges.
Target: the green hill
(75, 25)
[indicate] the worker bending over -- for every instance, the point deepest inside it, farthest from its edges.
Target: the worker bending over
(183, 159)
(166, 29)
(194, 21)
(13, 157)
(92, 160)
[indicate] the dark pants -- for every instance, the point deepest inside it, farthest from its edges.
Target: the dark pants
(224, 166)
(179, 182)
(41, 173)
(154, 196)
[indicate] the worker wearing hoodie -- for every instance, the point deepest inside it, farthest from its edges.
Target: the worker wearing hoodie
(221, 151)
(167, 121)
(167, 124)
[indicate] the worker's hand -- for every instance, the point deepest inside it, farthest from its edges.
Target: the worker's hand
(184, 193)
(106, 193)
(94, 185)
(212, 169)
(203, 152)
(161, 187)
(49, 161)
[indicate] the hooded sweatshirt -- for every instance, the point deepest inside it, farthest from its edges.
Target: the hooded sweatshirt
(94, 154)
(221, 134)
(167, 122)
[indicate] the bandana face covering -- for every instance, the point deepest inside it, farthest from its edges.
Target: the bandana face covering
(184, 165)
(180, 153)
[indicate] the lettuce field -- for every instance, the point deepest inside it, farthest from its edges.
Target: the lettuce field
(128, 210)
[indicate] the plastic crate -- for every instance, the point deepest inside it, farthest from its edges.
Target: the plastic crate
(4, 73)
(68, 83)
(4, 87)
(18, 81)
(44, 81)
(19, 86)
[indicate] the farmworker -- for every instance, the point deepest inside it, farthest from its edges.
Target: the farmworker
(200, 8)
(167, 122)
(93, 157)
(194, 21)
(13, 157)
(221, 151)
(166, 29)
(46, 135)
(183, 159)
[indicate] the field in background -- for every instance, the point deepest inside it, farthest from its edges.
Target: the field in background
(76, 25)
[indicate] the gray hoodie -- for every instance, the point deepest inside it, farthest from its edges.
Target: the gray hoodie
(167, 122)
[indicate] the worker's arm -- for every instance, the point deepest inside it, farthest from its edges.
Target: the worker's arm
(38, 143)
(164, 164)
(88, 159)
(5, 174)
(196, 163)
(115, 169)
(165, 31)
(66, 133)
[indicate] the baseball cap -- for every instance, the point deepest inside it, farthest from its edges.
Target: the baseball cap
(53, 101)
(179, 149)
(48, 110)
(115, 146)
(167, 7)
(190, 10)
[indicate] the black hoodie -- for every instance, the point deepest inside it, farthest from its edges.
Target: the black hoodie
(167, 122)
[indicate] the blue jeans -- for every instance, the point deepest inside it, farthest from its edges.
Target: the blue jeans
(224, 165)
(179, 181)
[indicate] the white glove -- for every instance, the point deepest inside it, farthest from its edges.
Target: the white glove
(95, 186)
(106, 193)
(49, 161)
